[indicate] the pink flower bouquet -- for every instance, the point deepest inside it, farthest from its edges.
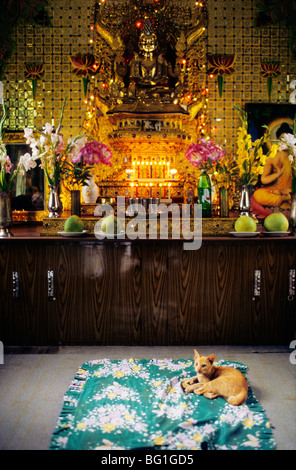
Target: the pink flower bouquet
(204, 153)
(92, 153)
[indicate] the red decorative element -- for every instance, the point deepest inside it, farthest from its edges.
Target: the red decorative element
(84, 65)
(34, 72)
(270, 69)
(221, 65)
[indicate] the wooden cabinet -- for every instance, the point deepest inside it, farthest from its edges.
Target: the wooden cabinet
(147, 292)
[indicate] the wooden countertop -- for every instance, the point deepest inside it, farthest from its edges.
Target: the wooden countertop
(33, 232)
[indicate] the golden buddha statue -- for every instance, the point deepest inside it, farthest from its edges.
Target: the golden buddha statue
(149, 71)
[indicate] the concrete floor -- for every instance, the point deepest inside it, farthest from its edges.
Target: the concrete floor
(32, 386)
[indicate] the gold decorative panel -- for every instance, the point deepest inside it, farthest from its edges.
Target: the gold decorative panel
(230, 30)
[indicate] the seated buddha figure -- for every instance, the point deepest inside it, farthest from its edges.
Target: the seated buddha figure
(149, 71)
(276, 180)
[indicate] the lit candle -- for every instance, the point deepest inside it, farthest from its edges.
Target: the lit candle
(134, 169)
(150, 169)
(169, 190)
(173, 172)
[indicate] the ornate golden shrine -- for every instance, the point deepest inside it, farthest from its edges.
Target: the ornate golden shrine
(150, 96)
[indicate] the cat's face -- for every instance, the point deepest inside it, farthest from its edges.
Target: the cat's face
(203, 365)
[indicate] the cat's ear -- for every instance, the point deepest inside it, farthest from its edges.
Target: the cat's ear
(196, 353)
(211, 358)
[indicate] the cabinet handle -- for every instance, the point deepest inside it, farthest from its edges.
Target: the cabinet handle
(257, 283)
(15, 285)
(50, 285)
(292, 275)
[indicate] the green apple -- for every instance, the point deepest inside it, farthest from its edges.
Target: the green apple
(245, 223)
(73, 224)
(276, 222)
(111, 225)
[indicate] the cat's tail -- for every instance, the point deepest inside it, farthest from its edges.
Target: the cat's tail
(238, 399)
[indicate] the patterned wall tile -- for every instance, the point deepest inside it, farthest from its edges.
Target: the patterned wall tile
(230, 31)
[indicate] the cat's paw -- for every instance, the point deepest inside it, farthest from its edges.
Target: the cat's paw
(188, 384)
(199, 389)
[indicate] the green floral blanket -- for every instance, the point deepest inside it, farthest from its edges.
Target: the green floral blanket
(140, 404)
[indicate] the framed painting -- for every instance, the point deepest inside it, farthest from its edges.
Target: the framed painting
(28, 191)
(273, 191)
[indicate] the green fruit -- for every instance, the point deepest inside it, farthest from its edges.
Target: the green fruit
(245, 223)
(73, 224)
(276, 222)
(111, 225)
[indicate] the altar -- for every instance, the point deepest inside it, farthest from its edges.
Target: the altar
(149, 101)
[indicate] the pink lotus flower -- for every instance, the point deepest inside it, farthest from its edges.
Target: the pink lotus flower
(93, 153)
(203, 153)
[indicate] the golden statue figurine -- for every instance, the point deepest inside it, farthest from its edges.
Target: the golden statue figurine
(150, 72)
(276, 181)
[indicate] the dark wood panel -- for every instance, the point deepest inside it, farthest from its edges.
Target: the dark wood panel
(210, 295)
(112, 293)
(24, 318)
(154, 301)
(65, 307)
(128, 314)
(277, 313)
(147, 292)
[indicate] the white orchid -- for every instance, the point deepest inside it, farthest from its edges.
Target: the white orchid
(7, 173)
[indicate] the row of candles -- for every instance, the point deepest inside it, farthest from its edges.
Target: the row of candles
(151, 169)
(146, 190)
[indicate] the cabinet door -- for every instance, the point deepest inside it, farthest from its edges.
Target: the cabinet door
(64, 298)
(274, 310)
(97, 293)
(111, 280)
(210, 293)
(24, 318)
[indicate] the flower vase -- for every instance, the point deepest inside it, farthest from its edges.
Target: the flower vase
(5, 214)
(75, 202)
(90, 192)
(53, 205)
(205, 194)
(244, 204)
(224, 202)
(293, 214)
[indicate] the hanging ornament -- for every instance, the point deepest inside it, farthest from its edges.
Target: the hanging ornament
(34, 72)
(270, 70)
(84, 65)
(221, 65)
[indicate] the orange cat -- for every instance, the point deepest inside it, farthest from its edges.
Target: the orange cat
(218, 381)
